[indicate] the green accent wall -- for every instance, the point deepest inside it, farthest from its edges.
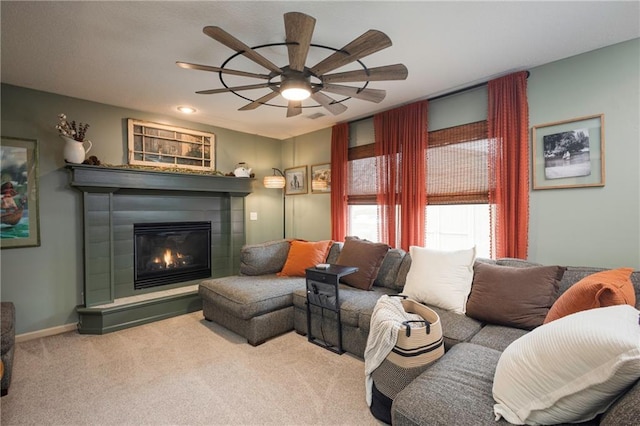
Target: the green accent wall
(46, 282)
(591, 226)
(580, 226)
(583, 226)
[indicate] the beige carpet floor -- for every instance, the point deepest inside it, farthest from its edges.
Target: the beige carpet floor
(182, 371)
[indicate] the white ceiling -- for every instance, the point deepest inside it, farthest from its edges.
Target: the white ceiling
(124, 53)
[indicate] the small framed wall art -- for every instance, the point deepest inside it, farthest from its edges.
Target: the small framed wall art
(19, 186)
(569, 153)
(296, 180)
(159, 145)
(321, 178)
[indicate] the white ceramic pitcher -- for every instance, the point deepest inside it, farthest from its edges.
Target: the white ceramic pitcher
(74, 151)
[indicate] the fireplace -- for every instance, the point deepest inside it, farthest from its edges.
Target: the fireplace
(171, 252)
(114, 199)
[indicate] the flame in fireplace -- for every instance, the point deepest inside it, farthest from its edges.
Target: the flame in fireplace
(168, 258)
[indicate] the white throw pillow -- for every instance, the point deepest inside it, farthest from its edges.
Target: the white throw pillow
(440, 278)
(569, 370)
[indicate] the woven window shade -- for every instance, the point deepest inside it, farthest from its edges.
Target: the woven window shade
(457, 169)
(361, 186)
(457, 173)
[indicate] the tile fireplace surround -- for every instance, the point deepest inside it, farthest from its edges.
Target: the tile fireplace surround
(113, 199)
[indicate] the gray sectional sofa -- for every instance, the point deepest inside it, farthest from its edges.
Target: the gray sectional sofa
(457, 389)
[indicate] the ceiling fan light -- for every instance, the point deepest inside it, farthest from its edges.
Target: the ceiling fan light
(294, 90)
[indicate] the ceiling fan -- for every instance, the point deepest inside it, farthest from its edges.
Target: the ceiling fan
(297, 82)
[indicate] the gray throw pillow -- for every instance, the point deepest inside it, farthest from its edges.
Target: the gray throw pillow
(265, 258)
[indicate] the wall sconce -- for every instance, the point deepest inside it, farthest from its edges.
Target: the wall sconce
(278, 182)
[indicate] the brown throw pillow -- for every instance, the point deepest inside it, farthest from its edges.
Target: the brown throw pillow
(599, 290)
(364, 255)
(515, 297)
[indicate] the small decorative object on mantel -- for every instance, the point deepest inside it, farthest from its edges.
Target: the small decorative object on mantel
(242, 170)
(92, 161)
(74, 138)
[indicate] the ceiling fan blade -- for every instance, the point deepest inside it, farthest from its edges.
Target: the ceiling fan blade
(387, 72)
(368, 43)
(294, 108)
(371, 95)
(261, 101)
(233, 89)
(231, 42)
(299, 30)
(329, 103)
(191, 66)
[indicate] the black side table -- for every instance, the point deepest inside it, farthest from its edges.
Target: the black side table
(322, 291)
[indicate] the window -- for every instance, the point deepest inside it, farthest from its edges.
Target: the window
(457, 190)
(158, 145)
(453, 227)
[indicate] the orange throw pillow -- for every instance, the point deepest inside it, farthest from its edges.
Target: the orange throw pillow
(303, 255)
(599, 290)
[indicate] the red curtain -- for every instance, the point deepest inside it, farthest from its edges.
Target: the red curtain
(339, 159)
(400, 148)
(508, 128)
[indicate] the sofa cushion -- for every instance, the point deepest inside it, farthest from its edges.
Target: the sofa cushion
(303, 255)
(606, 288)
(248, 297)
(388, 273)
(334, 252)
(456, 390)
(356, 305)
(440, 278)
(626, 410)
(497, 337)
(571, 369)
(265, 258)
(401, 279)
(513, 296)
(364, 255)
(456, 328)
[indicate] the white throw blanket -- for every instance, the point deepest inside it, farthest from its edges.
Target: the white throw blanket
(386, 320)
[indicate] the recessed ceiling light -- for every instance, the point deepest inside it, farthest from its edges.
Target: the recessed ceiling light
(186, 109)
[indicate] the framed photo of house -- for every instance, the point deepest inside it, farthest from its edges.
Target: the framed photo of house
(321, 178)
(569, 153)
(19, 187)
(296, 180)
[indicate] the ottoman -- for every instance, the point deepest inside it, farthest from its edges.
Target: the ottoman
(255, 307)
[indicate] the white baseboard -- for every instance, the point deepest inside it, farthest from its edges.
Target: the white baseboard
(46, 332)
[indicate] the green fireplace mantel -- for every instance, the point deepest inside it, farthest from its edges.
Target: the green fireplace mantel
(114, 199)
(110, 179)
